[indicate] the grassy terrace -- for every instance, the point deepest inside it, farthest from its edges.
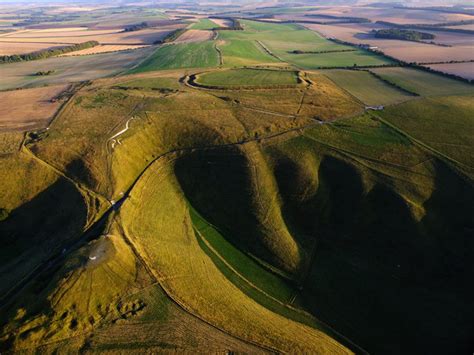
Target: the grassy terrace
(248, 77)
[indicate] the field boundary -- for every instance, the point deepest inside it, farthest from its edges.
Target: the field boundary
(456, 165)
(268, 51)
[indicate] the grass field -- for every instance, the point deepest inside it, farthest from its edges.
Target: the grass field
(238, 52)
(185, 55)
(283, 38)
(248, 77)
(203, 24)
(443, 123)
(367, 88)
(423, 83)
(329, 60)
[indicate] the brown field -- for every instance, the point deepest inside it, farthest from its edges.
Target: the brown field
(464, 27)
(454, 39)
(68, 69)
(465, 70)
(392, 15)
(220, 22)
(404, 50)
(66, 9)
(29, 108)
(78, 35)
(194, 36)
(22, 48)
(106, 48)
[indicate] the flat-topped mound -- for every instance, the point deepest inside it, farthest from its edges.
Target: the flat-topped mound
(235, 78)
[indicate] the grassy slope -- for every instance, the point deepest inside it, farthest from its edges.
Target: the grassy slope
(84, 156)
(403, 194)
(443, 123)
(370, 90)
(423, 83)
(45, 211)
(194, 281)
(248, 77)
(383, 231)
(151, 83)
(238, 52)
(183, 55)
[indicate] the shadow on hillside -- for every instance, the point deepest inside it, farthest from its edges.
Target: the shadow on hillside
(390, 283)
(37, 231)
(387, 282)
(51, 217)
(218, 185)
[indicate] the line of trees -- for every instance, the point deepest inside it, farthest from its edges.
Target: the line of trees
(427, 27)
(340, 19)
(397, 63)
(406, 35)
(298, 51)
(235, 24)
(170, 37)
(409, 92)
(47, 53)
(136, 27)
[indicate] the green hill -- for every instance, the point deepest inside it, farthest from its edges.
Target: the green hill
(189, 206)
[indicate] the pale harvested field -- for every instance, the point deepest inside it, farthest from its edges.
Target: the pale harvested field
(404, 50)
(29, 108)
(464, 27)
(220, 22)
(22, 48)
(194, 36)
(107, 48)
(56, 33)
(146, 36)
(454, 39)
(392, 15)
(55, 30)
(69, 69)
(65, 9)
(465, 70)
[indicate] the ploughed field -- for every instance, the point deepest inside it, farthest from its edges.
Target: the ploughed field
(262, 190)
